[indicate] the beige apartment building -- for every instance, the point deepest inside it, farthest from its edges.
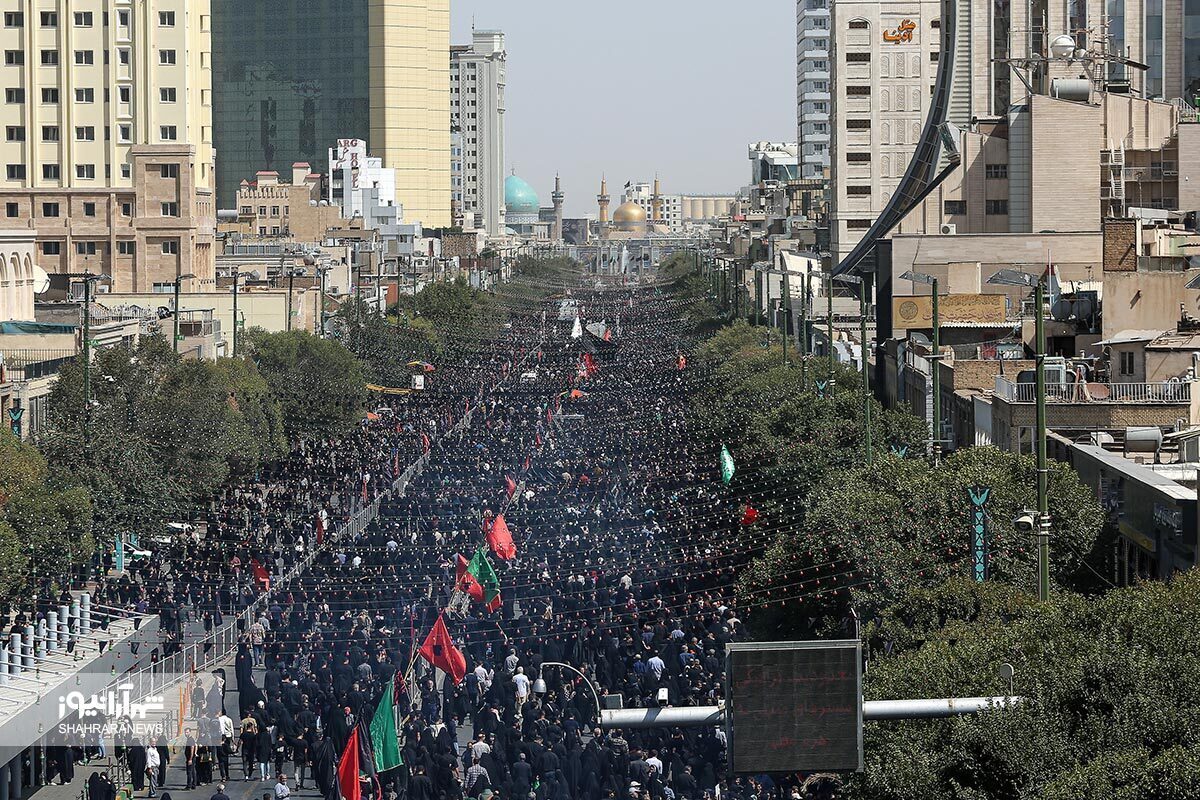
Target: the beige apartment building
(107, 150)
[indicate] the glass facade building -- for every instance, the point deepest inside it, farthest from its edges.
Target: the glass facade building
(290, 77)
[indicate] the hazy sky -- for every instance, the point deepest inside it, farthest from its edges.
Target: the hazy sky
(627, 87)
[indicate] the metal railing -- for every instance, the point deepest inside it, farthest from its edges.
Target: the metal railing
(1166, 392)
(24, 365)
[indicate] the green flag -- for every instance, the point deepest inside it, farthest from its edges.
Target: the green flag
(384, 742)
(727, 468)
(485, 575)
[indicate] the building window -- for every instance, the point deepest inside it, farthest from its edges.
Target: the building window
(84, 58)
(124, 133)
(858, 91)
(83, 19)
(85, 133)
(51, 172)
(166, 94)
(12, 209)
(126, 209)
(859, 25)
(49, 19)
(170, 247)
(125, 248)
(85, 248)
(858, 124)
(170, 209)
(49, 209)
(49, 58)
(858, 58)
(954, 208)
(50, 95)
(274, 211)
(247, 210)
(858, 158)
(85, 172)
(858, 224)
(996, 170)
(51, 248)
(14, 95)
(858, 190)
(934, 55)
(167, 133)
(89, 209)
(123, 94)
(125, 171)
(997, 207)
(123, 18)
(15, 133)
(262, 211)
(85, 95)
(14, 19)
(168, 170)
(166, 57)
(15, 172)
(166, 19)
(1127, 363)
(14, 58)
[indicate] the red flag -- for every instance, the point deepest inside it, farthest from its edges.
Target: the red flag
(749, 516)
(395, 462)
(527, 463)
(608, 335)
(425, 442)
(260, 574)
(320, 529)
(500, 539)
(589, 364)
(510, 486)
(439, 650)
(347, 771)
(465, 580)
(576, 394)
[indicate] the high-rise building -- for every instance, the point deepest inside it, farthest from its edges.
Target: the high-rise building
(108, 145)
(477, 78)
(812, 86)
(288, 84)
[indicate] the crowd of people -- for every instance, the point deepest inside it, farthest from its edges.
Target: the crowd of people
(578, 441)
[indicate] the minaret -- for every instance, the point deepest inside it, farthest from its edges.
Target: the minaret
(557, 198)
(656, 203)
(602, 199)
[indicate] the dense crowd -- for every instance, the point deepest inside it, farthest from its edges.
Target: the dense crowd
(579, 441)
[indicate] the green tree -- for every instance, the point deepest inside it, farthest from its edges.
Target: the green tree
(318, 383)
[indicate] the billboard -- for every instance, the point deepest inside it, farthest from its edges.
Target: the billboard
(916, 311)
(794, 706)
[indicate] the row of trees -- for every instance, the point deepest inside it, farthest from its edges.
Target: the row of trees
(1110, 676)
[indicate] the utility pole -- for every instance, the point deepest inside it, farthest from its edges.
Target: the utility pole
(804, 330)
(936, 360)
(291, 286)
(785, 299)
(87, 356)
(237, 277)
(862, 313)
(829, 327)
(179, 279)
(1043, 474)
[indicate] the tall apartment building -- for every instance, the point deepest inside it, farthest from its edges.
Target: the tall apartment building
(812, 86)
(291, 82)
(108, 141)
(477, 79)
(885, 55)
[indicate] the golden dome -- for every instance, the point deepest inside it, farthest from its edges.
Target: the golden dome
(629, 216)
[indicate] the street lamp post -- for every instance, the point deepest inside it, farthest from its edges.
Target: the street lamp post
(237, 278)
(862, 322)
(935, 444)
(1012, 277)
(323, 271)
(88, 280)
(829, 326)
(539, 686)
(178, 281)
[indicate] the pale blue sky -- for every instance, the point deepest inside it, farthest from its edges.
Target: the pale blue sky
(627, 87)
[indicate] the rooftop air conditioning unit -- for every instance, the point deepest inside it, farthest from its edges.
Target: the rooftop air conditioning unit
(949, 229)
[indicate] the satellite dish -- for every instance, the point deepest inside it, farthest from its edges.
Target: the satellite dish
(41, 280)
(255, 275)
(1062, 46)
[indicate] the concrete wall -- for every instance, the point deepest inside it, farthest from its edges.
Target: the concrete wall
(258, 308)
(1146, 300)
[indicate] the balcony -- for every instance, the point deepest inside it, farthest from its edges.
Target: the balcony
(27, 365)
(1166, 393)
